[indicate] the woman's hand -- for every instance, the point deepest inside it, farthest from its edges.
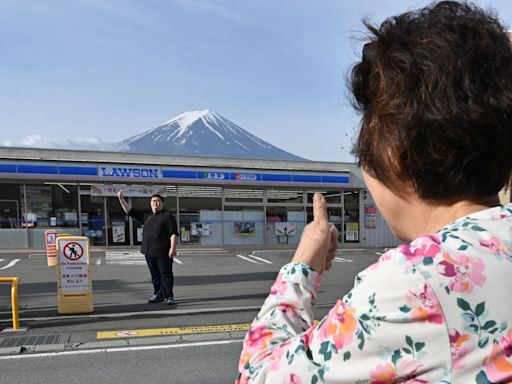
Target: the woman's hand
(318, 244)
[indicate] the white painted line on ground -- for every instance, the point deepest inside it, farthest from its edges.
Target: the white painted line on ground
(200, 251)
(1, 260)
(12, 263)
(128, 258)
(124, 258)
(260, 259)
(98, 262)
(119, 349)
(126, 262)
(342, 260)
(36, 255)
(272, 250)
(124, 255)
(247, 259)
(379, 253)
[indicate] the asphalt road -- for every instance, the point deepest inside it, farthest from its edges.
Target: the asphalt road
(213, 287)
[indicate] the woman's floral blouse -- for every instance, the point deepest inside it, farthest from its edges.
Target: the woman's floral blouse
(436, 311)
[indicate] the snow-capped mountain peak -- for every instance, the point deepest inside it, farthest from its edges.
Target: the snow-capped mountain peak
(204, 133)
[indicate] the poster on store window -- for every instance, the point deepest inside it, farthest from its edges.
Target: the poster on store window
(244, 228)
(201, 229)
(285, 229)
(184, 235)
(140, 232)
(118, 235)
(370, 216)
(352, 232)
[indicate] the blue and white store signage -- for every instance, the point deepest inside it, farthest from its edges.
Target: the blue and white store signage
(100, 172)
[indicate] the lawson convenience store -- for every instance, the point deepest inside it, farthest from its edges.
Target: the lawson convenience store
(217, 201)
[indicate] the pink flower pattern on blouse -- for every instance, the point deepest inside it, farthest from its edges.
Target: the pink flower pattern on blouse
(497, 247)
(460, 348)
(465, 272)
(424, 305)
(435, 311)
(339, 326)
(499, 364)
(404, 372)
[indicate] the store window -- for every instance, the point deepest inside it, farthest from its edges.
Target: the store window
(200, 215)
(243, 196)
(10, 205)
(49, 205)
(92, 217)
(285, 216)
(331, 196)
(334, 215)
(351, 216)
(284, 224)
(243, 225)
(285, 197)
(118, 230)
(243, 217)
(334, 209)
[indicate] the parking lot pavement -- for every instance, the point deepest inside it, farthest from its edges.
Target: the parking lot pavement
(213, 287)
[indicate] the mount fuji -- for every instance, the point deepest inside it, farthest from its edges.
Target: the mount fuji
(204, 133)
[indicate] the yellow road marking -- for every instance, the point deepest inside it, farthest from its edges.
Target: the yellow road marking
(170, 331)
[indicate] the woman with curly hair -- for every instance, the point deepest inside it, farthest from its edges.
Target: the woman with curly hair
(434, 88)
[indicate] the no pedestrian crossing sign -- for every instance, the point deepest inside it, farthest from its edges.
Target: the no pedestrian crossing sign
(73, 253)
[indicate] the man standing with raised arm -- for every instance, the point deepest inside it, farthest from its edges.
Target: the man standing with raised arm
(158, 245)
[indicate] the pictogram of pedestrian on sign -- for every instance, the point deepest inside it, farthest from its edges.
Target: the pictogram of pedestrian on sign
(51, 237)
(73, 251)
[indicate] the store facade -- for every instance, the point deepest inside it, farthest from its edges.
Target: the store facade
(217, 201)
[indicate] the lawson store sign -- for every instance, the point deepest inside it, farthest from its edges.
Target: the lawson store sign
(123, 172)
(129, 172)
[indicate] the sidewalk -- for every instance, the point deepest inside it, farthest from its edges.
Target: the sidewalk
(63, 339)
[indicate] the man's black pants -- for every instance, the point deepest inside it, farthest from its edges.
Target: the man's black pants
(162, 277)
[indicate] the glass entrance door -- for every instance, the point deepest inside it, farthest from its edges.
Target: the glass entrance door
(9, 214)
(141, 203)
(92, 219)
(117, 224)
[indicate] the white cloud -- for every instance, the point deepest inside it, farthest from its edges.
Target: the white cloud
(80, 143)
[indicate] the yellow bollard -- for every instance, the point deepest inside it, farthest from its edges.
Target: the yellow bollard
(14, 299)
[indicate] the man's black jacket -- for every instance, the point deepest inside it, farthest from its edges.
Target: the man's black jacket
(158, 228)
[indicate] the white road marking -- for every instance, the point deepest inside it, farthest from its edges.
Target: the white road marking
(125, 258)
(247, 259)
(342, 260)
(119, 349)
(260, 259)
(12, 263)
(128, 258)
(36, 255)
(270, 251)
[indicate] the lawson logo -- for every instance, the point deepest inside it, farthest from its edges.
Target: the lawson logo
(129, 172)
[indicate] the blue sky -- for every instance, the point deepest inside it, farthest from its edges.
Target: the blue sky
(87, 73)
